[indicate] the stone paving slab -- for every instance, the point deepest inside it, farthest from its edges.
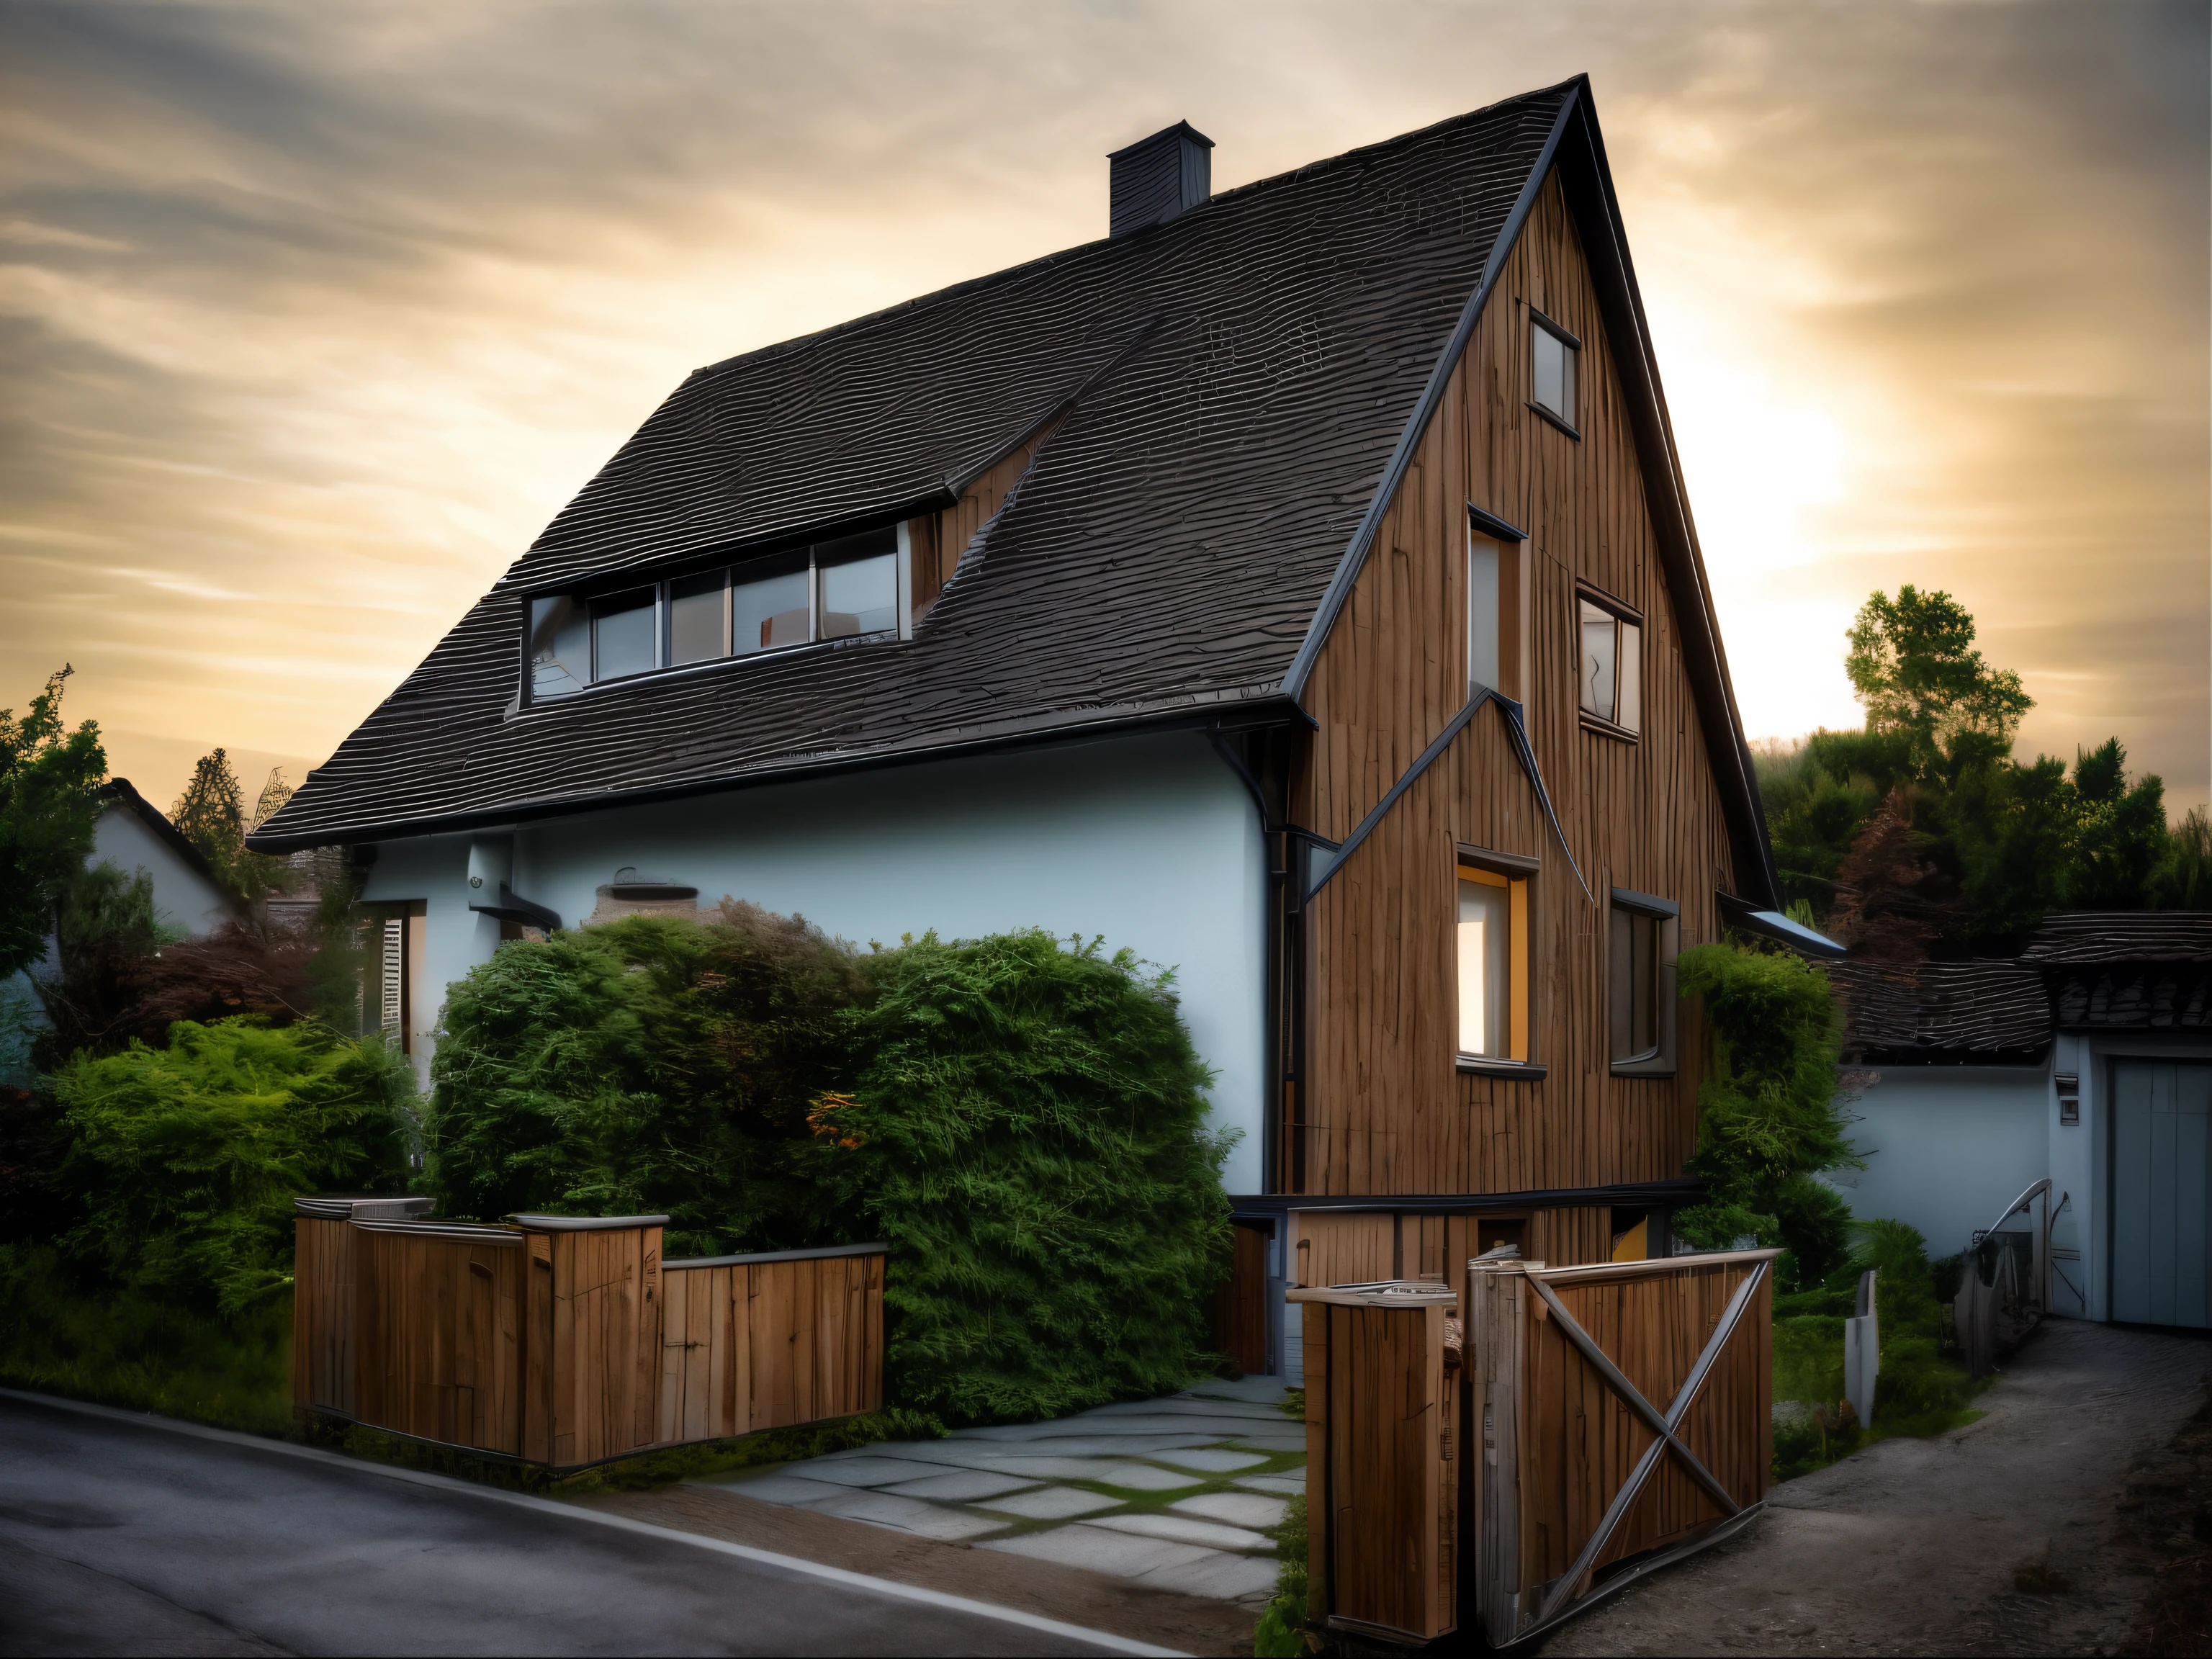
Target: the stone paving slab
(1286, 1443)
(1054, 1504)
(1123, 1554)
(907, 1514)
(1289, 1485)
(866, 1471)
(1209, 1534)
(961, 1485)
(1213, 1460)
(1216, 1573)
(1207, 1410)
(1238, 1509)
(789, 1489)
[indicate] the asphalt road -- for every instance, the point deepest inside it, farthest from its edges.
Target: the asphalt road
(126, 1536)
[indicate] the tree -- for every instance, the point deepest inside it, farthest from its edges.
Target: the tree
(1913, 665)
(211, 814)
(49, 804)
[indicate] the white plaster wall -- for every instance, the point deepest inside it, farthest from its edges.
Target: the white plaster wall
(1151, 842)
(182, 897)
(1947, 1147)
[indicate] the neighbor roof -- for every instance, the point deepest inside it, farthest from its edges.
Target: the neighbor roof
(1986, 1011)
(1235, 391)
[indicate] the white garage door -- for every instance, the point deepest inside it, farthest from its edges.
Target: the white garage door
(2161, 1191)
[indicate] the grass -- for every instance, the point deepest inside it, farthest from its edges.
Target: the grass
(129, 1349)
(1919, 1393)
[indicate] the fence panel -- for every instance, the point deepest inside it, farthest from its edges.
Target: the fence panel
(439, 1332)
(766, 1341)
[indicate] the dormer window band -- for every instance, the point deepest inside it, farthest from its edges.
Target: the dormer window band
(849, 588)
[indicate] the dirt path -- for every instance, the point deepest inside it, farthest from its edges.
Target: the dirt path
(1913, 1546)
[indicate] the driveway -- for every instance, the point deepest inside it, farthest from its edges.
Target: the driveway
(2001, 1537)
(131, 1536)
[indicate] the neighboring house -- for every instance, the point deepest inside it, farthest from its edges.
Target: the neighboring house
(1296, 586)
(2089, 1060)
(137, 838)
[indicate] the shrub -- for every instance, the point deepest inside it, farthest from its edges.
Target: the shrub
(1282, 1633)
(1028, 1135)
(653, 1066)
(186, 1159)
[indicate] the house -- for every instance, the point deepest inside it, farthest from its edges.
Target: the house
(135, 836)
(2087, 1061)
(1296, 586)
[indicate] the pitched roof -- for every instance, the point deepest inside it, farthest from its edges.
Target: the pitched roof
(1986, 1011)
(1234, 390)
(2122, 936)
(121, 796)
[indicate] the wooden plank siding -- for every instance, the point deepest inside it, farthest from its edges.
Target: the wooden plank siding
(1384, 1108)
(440, 1337)
(747, 1347)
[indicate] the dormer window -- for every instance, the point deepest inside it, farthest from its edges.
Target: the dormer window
(845, 589)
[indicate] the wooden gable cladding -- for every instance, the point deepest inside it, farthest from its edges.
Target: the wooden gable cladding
(1384, 1108)
(936, 540)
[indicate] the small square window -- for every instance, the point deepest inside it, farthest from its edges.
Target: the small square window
(1551, 372)
(1492, 951)
(1612, 688)
(1644, 938)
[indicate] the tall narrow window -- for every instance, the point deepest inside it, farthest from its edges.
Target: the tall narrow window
(1485, 618)
(1552, 353)
(1493, 965)
(1644, 937)
(1611, 665)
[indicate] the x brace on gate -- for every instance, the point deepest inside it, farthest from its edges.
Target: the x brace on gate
(1563, 1589)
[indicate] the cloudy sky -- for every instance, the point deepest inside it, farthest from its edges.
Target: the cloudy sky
(313, 316)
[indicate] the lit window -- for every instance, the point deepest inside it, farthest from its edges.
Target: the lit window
(1612, 667)
(1493, 965)
(560, 647)
(1552, 375)
(1645, 938)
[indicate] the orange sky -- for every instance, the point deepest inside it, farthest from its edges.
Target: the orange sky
(313, 316)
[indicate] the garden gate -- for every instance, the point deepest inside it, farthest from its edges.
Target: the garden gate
(1607, 1420)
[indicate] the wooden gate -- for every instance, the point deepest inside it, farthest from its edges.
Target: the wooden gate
(1607, 1420)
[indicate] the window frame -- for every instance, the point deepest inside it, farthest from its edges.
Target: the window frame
(1521, 875)
(1511, 545)
(1662, 1059)
(1623, 616)
(728, 567)
(1567, 419)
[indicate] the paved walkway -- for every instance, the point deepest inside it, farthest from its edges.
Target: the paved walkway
(1172, 1492)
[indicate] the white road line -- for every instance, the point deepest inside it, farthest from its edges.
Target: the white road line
(1099, 1638)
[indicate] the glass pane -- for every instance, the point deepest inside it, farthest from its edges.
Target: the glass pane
(560, 648)
(769, 608)
(1630, 702)
(860, 597)
(1483, 969)
(1643, 998)
(1549, 354)
(1566, 403)
(623, 634)
(1598, 646)
(695, 619)
(1481, 613)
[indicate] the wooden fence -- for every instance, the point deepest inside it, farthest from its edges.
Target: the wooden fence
(568, 1341)
(1604, 1421)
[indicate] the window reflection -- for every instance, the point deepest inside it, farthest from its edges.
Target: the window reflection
(1599, 659)
(769, 610)
(623, 634)
(695, 627)
(1484, 930)
(560, 647)
(860, 597)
